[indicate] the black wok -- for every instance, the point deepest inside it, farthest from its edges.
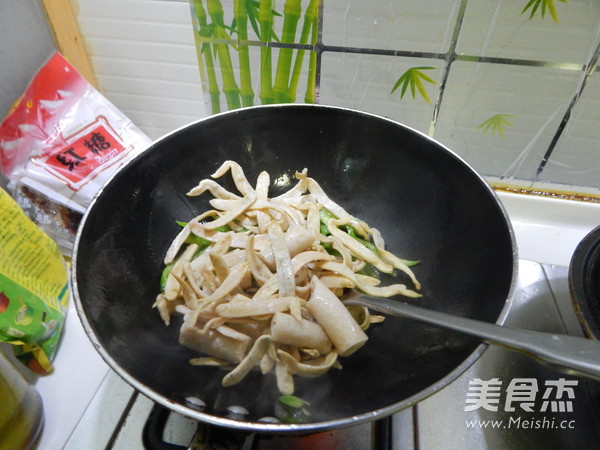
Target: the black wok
(428, 204)
(584, 283)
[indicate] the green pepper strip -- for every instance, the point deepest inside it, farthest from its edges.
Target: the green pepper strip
(202, 244)
(223, 229)
(325, 215)
(294, 408)
(292, 401)
(329, 249)
(164, 275)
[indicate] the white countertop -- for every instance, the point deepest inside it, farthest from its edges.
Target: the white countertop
(547, 230)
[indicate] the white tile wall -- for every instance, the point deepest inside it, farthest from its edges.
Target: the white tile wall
(531, 69)
(497, 28)
(577, 153)
(531, 95)
(412, 25)
(365, 82)
(144, 55)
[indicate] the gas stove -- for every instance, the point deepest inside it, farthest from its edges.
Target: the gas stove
(504, 400)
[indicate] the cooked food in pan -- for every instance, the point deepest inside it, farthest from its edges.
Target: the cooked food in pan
(259, 280)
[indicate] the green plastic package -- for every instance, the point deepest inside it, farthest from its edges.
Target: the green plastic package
(33, 288)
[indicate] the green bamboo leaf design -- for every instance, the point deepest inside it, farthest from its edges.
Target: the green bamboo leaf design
(496, 124)
(310, 95)
(215, 42)
(414, 78)
(265, 18)
(241, 16)
(253, 10)
(310, 22)
(292, 11)
(230, 87)
(220, 32)
(206, 31)
(542, 6)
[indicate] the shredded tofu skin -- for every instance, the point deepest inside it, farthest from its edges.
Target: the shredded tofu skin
(259, 280)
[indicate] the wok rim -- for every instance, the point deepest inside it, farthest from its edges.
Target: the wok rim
(281, 428)
(586, 258)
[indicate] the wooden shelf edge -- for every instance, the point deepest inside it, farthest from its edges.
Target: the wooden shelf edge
(69, 40)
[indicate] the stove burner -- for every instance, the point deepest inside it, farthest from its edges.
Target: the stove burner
(208, 437)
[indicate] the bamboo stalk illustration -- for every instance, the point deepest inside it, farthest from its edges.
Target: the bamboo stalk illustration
(265, 15)
(311, 84)
(241, 18)
(276, 84)
(205, 32)
(310, 23)
(292, 11)
(230, 87)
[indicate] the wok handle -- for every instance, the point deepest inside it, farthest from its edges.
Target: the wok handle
(567, 354)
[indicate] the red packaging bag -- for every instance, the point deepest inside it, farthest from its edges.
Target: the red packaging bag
(62, 141)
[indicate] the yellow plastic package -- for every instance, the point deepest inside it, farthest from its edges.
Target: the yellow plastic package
(33, 288)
